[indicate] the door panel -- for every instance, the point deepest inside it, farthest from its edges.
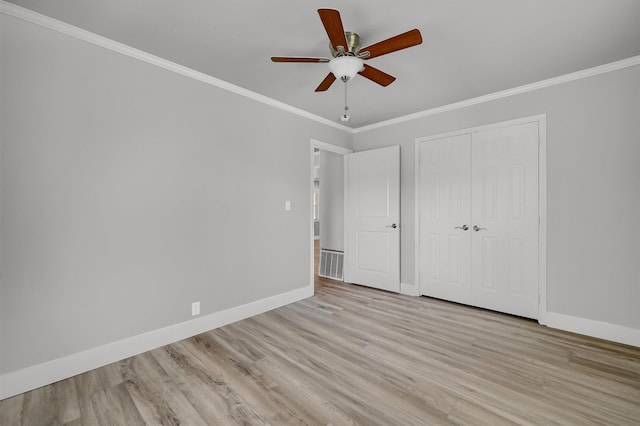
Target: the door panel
(444, 203)
(504, 251)
(373, 245)
(376, 261)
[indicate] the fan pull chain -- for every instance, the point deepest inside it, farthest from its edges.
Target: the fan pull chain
(345, 117)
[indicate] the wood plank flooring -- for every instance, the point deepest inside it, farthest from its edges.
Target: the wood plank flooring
(352, 355)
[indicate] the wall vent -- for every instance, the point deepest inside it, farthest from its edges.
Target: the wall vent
(331, 262)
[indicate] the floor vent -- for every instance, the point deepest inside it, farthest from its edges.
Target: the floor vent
(331, 264)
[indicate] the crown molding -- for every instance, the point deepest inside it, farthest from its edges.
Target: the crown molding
(98, 40)
(589, 72)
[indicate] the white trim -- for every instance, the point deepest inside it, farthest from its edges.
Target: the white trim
(589, 72)
(80, 34)
(409, 289)
(602, 330)
(416, 215)
(346, 276)
(329, 147)
(312, 190)
(541, 119)
(542, 227)
(30, 378)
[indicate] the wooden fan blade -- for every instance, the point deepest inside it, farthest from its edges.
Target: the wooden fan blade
(333, 25)
(399, 42)
(296, 59)
(377, 76)
(326, 83)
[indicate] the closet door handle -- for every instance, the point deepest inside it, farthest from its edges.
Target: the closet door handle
(477, 228)
(463, 227)
(394, 226)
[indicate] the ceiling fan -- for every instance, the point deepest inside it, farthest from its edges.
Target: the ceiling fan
(348, 56)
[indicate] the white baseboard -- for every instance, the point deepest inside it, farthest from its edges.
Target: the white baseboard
(409, 289)
(30, 378)
(599, 329)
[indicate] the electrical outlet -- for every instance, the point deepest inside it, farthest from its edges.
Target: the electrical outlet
(195, 309)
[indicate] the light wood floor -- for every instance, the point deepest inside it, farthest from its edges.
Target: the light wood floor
(352, 355)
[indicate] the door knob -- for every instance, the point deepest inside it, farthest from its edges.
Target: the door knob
(477, 228)
(394, 226)
(463, 227)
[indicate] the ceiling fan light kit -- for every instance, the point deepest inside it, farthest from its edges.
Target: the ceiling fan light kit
(345, 67)
(348, 57)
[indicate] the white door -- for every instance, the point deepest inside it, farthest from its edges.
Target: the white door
(445, 218)
(505, 219)
(486, 182)
(373, 218)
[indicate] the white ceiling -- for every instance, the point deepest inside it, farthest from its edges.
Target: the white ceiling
(470, 47)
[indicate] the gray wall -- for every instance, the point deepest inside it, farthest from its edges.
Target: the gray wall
(129, 192)
(331, 201)
(593, 169)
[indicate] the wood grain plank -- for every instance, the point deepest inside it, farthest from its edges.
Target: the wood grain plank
(109, 375)
(66, 401)
(114, 405)
(157, 398)
(39, 407)
(11, 410)
(265, 396)
(211, 396)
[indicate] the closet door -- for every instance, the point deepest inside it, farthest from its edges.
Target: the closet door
(445, 213)
(505, 219)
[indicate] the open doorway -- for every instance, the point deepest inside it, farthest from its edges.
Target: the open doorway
(327, 218)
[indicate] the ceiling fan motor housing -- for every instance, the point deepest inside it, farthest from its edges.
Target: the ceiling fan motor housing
(352, 47)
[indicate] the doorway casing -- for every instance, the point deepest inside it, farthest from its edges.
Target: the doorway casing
(337, 150)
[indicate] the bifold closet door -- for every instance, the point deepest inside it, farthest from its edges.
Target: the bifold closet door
(478, 219)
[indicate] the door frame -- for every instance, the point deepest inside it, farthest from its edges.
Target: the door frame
(541, 119)
(314, 143)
